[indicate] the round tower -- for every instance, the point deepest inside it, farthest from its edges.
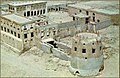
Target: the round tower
(86, 54)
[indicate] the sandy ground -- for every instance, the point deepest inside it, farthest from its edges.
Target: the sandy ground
(36, 63)
(33, 63)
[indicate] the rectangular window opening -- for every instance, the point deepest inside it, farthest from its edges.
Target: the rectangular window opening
(5, 29)
(8, 30)
(75, 48)
(93, 50)
(1, 28)
(25, 35)
(18, 35)
(11, 32)
(15, 33)
(28, 13)
(32, 34)
(83, 50)
(87, 12)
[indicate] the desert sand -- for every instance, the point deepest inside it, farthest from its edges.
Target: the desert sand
(36, 63)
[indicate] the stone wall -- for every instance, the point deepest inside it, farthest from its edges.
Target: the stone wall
(60, 54)
(86, 67)
(11, 34)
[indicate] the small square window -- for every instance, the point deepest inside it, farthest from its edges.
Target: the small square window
(83, 50)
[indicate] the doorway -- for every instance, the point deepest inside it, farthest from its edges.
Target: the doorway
(53, 43)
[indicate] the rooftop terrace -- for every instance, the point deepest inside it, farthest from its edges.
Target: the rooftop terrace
(20, 3)
(16, 18)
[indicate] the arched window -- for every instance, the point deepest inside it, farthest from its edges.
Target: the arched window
(41, 12)
(34, 13)
(31, 13)
(38, 12)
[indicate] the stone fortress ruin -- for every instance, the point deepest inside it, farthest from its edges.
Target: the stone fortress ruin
(28, 24)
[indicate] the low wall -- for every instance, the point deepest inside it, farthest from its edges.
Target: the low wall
(46, 47)
(101, 25)
(60, 54)
(66, 48)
